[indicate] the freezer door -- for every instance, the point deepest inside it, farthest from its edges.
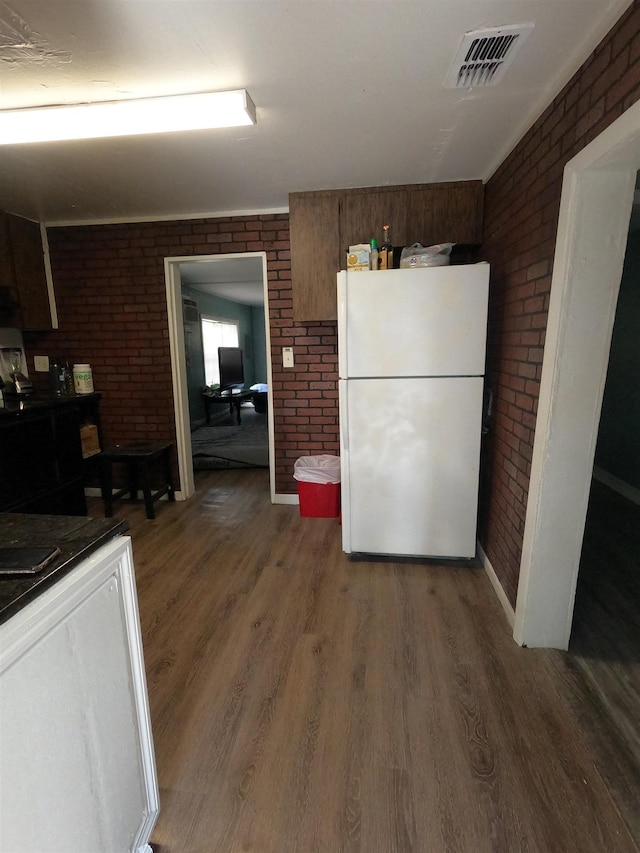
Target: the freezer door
(426, 322)
(411, 451)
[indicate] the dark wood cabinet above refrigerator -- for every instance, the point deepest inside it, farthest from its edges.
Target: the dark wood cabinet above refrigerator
(324, 224)
(314, 229)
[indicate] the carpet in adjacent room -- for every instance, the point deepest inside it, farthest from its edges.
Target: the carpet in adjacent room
(237, 446)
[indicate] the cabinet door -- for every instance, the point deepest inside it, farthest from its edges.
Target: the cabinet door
(29, 273)
(41, 465)
(6, 254)
(444, 213)
(8, 291)
(68, 444)
(69, 497)
(315, 256)
(27, 460)
(363, 213)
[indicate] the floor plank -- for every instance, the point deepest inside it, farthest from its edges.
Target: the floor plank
(303, 701)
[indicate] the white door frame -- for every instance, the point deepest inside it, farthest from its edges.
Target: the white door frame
(179, 368)
(597, 196)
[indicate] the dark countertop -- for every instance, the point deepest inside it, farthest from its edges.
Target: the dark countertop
(15, 407)
(76, 536)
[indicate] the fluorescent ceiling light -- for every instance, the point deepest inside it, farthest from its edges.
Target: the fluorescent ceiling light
(169, 114)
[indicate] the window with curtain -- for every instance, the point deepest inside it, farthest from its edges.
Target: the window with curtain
(216, 333)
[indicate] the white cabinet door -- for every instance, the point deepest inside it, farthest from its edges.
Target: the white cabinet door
(410, 461)
(76, 754)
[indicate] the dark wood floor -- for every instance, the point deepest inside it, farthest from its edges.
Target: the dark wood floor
(304, 702)
(600, 676)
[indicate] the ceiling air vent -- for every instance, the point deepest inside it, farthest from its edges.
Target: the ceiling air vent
(484, 56)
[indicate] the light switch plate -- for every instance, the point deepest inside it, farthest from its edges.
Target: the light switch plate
(287, 356)
(41, 363)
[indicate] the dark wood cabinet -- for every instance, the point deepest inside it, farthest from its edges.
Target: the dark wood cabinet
(363, 214)
(69, 457)
(24, 292)
(324, 224)
(27, 460)
(314, 228)
(42, 464)
(444, 213)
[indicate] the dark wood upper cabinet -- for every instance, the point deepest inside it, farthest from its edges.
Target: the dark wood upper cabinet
(24, 296)
(324, 224)
(444, 213)
(314, 227)
(363, 213)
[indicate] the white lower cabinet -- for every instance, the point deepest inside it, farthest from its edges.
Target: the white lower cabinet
(77, 768)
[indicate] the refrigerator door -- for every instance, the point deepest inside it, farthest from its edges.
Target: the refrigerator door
(410, 458)
(418, 322)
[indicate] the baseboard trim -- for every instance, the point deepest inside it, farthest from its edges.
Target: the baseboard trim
(497, 586)
(619, 486)
(292, 500)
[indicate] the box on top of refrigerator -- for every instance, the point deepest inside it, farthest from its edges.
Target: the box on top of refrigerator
(358, 257)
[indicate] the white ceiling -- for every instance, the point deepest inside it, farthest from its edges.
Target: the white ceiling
(238, 279)
(347, 94)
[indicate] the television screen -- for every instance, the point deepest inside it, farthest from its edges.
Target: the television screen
(231, 367)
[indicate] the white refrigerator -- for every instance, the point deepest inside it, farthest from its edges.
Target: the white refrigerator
(411, 357)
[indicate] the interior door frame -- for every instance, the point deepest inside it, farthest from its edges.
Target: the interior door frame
(595, 208)
(179, 370)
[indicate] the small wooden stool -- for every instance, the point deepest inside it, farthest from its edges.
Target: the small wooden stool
(139, 459)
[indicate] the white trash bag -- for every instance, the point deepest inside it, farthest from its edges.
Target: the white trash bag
(317, 469)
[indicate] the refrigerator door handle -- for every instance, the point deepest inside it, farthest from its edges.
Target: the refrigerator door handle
(342, 324)
(344, 416)
(345, 484)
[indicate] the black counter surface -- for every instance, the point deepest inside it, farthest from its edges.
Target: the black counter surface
(76, 536)
(19, 407)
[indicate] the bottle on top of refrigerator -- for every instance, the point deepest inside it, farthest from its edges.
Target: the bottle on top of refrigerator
(373, 254)
(386, 250)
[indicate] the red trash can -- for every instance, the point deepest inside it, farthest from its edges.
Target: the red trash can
(318, 479)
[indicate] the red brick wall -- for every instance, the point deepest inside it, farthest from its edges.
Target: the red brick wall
(110, 293)
(305, 397)
(522, 201)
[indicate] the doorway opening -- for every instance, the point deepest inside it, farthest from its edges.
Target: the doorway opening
(595, 210)
(230, 269)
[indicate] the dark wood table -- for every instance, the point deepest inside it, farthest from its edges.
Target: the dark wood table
(234, 399)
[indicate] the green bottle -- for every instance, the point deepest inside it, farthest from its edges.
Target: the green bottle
(373, 254)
